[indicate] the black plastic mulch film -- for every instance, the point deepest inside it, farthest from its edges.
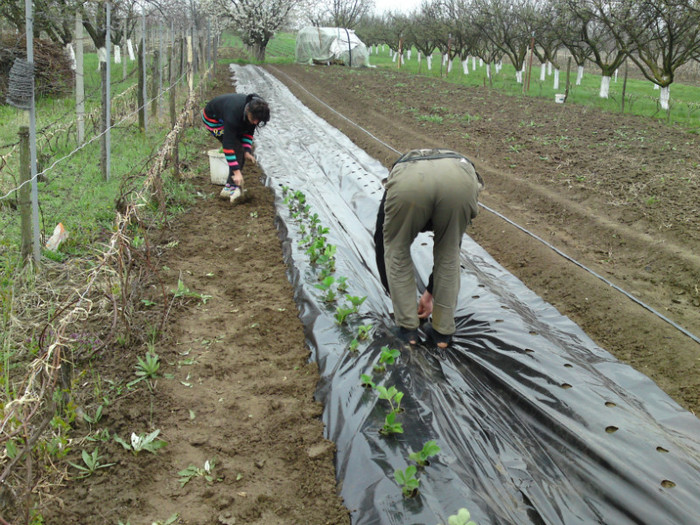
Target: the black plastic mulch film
(535, 422)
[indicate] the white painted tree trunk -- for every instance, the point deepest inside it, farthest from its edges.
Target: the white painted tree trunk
(616, 75)
(604, 87)
(481, 63)
(488, 70)
(393, 57)
(465, 66)
(444, 59)
(656, 87)
(408, 54)
(101, 57)
(579, 75)
(473, 63)
(549, 68)
(117, 55)
(556, 79)
(449, 65)
(519, 77)
(418, 56)
(543, 71)
(429, 60)
(664, 97)
(130, 49)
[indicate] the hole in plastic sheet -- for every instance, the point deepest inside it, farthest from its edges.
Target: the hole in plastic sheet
(532, 332)
(668, 484)
(611, 429)
(568, 365)
(505, 307)
(475, 296)
(566, 386)
(662, 450)
(529, 351)
(424, 244)
(610, 404)
(482, 286)
(498, 321)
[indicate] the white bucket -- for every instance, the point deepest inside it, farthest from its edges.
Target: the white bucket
(559, 98)
(218, 167)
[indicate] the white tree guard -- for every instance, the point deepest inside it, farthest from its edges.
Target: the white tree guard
(556, 79)
(465, 66)
(604, 87)
(481, 63)
(664, 97)
(543, 71)
(429, 60)
(579, 75)
(616, 75)
(130, 49)
(71, 54)
(549, 68)
(473, 63)
(408, 54)
(449, 65)
(117, 55)
(444, 59)
(519, 77)
(488, 70)
(393, 57)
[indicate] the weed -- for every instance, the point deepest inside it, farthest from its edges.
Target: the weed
(140, 442)
(96, 418)
(91, 463)
(192, 471)
(435, 119)
(407, 481)
(428, 450)
(183, 291)
(147, 368)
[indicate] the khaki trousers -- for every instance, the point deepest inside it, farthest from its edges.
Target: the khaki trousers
(441, 193)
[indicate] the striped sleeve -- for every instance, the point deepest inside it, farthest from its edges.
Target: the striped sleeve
(247, 141)
(230, 155)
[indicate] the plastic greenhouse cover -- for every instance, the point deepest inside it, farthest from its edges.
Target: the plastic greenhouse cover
(535, 422)
(328, 43)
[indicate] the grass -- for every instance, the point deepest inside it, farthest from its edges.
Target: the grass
(640, 96)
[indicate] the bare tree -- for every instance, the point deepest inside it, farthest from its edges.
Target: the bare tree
(658, 35)
(347, 13)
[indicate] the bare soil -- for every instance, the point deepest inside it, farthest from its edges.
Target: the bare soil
(617, 194)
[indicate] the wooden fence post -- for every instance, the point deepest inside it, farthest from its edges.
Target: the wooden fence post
(25, 205)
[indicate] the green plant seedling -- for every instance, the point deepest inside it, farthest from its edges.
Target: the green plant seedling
(341, 314)
(463, 517)
(391, 426)
(407, 481)
(367, 381)
(91, 462)
(387, 357)
(356, 301)
(364, 331)
(147, 442)
(194, 472)
(96, 418)
(392, 395)
(354, 345)
(172, 519)
(183, 291)
(421, 457)
(285, 190)
(326, 285)
(342, 283)
(147, 368)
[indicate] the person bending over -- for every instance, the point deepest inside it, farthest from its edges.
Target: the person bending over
(427, 190)
(233, 119)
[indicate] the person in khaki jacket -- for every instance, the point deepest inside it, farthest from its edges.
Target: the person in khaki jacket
(427, 190)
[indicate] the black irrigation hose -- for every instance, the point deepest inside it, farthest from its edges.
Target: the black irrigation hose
(534, 236)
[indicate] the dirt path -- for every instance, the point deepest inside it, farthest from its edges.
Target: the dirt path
(236, 387)
(616, 193)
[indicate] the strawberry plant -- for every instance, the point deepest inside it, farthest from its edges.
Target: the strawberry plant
(354, 345)
(341, 314)
(327, 287)
(391, 426)
(463, 517)
(364, 331)
(356, 301)
(342, 284)
(392, 395)
(421, 457)
(407, 481)
(387, 357)
(367, 381)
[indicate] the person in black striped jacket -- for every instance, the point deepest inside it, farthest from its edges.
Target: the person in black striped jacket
(233, 119)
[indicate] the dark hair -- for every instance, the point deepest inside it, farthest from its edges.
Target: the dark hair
(259, 110)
